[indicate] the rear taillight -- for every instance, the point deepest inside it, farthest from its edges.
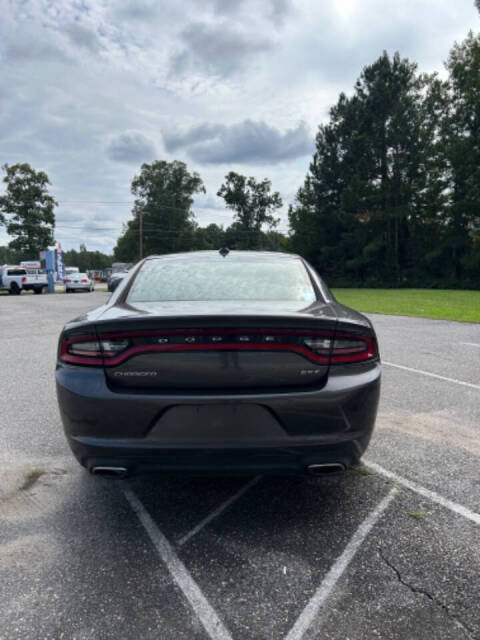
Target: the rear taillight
(84, 280)
(344, 348)
(112, 347)
(90, 351)
(321, 347)
(352, 348)
(24, 279)
(67, 281)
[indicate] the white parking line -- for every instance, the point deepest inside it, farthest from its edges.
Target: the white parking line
(470, 344)
(211, 516)
(203, 609)
(432, 375)
(341, 563)
(426, 493)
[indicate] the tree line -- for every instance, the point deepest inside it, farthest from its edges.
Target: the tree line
(391, 197)
(163, 220)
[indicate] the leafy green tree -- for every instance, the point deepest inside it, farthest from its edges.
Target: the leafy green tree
(27, 209)
(209, 237)
(87, 260)
(163, 199)
(254, 206)
(274, 241)
(127, 247)
(372, 178)
(461, 138)
(9, 256)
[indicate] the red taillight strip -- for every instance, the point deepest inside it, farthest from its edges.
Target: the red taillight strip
(92, 360)
(233, 346)
(343, 356)
(225, 346)
(338, 356)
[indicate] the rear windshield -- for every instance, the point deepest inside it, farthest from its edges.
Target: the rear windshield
(196, 279)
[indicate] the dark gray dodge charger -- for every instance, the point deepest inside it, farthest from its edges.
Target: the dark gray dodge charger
(226, 362)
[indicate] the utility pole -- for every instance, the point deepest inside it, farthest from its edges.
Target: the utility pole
(140, 229)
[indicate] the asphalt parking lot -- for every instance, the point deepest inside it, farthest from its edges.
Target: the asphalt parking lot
(388, 552)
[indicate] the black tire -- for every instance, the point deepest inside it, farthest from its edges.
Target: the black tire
(15, 289)
(38, 290)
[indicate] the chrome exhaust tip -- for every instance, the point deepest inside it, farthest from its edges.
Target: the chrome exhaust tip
(109, 472)
(326, 469)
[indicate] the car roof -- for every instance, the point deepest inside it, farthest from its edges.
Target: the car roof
(236, 255)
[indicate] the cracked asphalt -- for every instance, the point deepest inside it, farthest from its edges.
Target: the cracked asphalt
(76, 562)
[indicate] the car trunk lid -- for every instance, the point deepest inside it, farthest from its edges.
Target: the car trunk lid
(216, 347)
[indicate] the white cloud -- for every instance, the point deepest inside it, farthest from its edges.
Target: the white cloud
(247, 142)
(131, 147)
(89, 90)
(83, 36)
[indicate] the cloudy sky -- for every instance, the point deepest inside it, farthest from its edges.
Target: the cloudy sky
(91, 89)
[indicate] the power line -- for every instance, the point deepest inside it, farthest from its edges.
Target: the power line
(129, 203)
(160, 232)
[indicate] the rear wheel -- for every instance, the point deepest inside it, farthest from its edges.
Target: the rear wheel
(38, 290)
(15, 289)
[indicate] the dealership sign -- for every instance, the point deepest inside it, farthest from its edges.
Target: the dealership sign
(60, 269)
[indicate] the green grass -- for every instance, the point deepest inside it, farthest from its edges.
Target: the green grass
(363, 470)
(418, 514)
(31, 478)
(443, 304)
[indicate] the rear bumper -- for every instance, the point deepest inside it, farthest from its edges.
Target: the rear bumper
(280, 433)
(270, 460)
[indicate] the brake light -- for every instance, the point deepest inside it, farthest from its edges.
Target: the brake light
(67, 280)
(84, 280)
(111, 347)
(321, 347)
(24, 279)
(348, 348)
(90, 351)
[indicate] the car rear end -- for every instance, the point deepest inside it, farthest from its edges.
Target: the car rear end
(34, 280)
(224, 386)
(115, 279)
(78, 282)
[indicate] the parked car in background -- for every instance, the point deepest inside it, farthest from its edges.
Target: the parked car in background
(232, 362)
(97, 275)
(115, 279)
(17, 279)
(78, 282)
